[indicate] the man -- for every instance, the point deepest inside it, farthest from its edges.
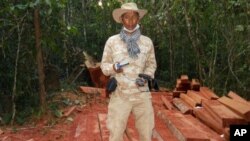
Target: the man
(125, 56)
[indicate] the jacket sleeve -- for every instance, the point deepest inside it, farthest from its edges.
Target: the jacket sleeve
(150, 66)
(107, 60)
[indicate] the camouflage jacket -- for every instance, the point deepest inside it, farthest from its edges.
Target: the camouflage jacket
(115, 51)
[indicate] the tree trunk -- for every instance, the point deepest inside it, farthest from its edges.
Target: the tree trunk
(39, 59)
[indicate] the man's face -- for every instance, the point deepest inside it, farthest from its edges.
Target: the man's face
(130, 19)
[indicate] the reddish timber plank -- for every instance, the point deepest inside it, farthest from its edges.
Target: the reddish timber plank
(195, 85)
(236, 97)
(208, 93)
(93, 90)
(182, 128)
(182, 106)
(206, 118)
(195, 96)
(188, 100)
(166, 103)
(102, 123)
(212, 135)
(161, 132)
(225, 115)
(87, 128)
(238, 107)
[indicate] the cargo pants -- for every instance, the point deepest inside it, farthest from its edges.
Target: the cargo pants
(119, 110)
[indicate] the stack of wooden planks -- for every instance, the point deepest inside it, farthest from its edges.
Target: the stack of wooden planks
(192, 112)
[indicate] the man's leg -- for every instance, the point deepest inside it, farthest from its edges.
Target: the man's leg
(144, 118)
(118, 112)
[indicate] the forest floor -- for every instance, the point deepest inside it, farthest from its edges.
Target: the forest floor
(49, 127)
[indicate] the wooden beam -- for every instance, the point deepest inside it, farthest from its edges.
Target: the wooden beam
(206, 118)
(224, 115)
(166, 103)
(238, 107)
(182, 128)
(182, 106)
(236, 97)
(188, 100)
(208, 92)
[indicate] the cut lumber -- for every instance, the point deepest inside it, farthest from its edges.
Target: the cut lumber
(188, 100)
(161, 132)
(103, 128)
(208, 93)
(223, 114)
(166, 103)
(212, 135)
(195, 85)
(93, 90)
(177, 93)
(238, 107)
(182, 106)
(206, 118)
(184, 78)
(182, 128)
(195, 96)
(87, 128)
(236, 97)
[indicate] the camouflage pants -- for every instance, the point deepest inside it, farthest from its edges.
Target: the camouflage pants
(118, 112)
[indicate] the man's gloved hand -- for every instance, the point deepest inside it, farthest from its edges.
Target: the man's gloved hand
(140, 82)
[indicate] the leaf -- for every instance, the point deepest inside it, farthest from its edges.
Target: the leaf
(58, 113)
(48, 2)
(239, 28)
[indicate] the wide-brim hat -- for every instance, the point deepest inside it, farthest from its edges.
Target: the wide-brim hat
(117, 13)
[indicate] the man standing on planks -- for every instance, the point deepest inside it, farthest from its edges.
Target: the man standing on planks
(125, 56)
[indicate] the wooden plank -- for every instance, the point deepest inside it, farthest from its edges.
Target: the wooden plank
(236, 97)
(182, 128)
(87, 128)
(177, 93)
(195, 96)
(182, 106)
(166, 103)
(238, 107)
(103, 128)
(212, 135)
(161, 132)
(208, 92)
(184, 78)
(93, 90)
(220, 112)
(188, 100)
(195, 85)
(206, 118)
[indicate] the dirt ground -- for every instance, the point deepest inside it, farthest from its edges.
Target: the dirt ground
(52, 128)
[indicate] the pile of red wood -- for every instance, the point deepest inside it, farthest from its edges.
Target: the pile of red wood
(199, 114)
(192, 112)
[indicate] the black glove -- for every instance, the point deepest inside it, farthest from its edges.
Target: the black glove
(140, 82)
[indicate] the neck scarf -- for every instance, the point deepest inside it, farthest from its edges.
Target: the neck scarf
(130, 40)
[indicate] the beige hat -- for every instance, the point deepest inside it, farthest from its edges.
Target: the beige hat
(117, 13)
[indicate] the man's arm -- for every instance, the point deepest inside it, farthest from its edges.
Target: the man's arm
(150, 65)
(107, 61)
